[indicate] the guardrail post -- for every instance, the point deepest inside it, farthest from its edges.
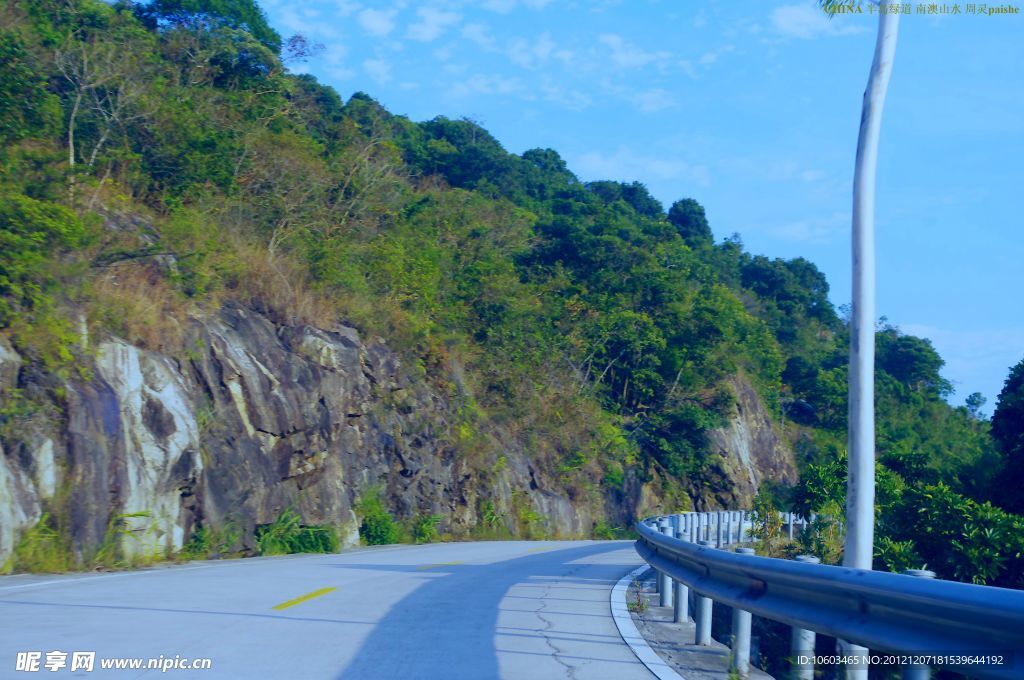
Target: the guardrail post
(681, 601)
(659, 577)
(664, 579)
(918, 671)
(728, 528)
(741, 634)
(702, 617)
(719, 528)
(789, 524)
(802, 643)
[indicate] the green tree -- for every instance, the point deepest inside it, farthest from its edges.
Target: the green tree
(687, 216)
(32, 233)
(974, 402)
(209, 15)
(1008, 431)
(912, 361)
(26, 108)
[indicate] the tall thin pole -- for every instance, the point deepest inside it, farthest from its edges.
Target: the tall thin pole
(860, 491)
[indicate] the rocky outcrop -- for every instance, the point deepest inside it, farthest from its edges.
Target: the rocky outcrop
(749, 450)
(257, 417)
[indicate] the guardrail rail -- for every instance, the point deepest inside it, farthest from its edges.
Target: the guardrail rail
(909, 619)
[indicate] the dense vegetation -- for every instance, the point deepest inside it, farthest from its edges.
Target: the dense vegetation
(158, 157)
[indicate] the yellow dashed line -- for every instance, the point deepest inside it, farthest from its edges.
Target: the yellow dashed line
(304, 598)
(536, 550)
(424, 567)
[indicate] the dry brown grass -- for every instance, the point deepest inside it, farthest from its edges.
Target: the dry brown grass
(134, 301)
(273, 283)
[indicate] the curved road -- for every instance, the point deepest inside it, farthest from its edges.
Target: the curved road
(504, 609)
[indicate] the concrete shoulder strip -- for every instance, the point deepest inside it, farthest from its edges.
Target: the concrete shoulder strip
(632, 637)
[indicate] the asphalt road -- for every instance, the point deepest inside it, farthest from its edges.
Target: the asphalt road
(508, 609)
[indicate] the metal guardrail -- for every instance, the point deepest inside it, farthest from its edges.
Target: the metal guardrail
(916, 622)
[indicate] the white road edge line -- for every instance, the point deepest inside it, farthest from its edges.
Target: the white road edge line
(630, 635)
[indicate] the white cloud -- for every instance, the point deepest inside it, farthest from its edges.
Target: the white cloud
(532, 54)
(500, 6)
(378, 69)
(818, 230)
(306, 21)
(574, 100)
(377, 22)
(711, 56)
(479, 34)
(506, 6)
(334, 60)
(487, 84)
(444, 53)
(433, 22)
(345, 8)
(625, 55)
(811, 175)
(624, 164)
(651, 101)
(809, 21)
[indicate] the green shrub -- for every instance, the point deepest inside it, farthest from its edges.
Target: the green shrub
(40, 549)
(897, 556)
(767, 525)
(111, 553)
(424, 528)
(287, 535)
(378, 527)
(603, 531)
(207, 542)
(824, 536)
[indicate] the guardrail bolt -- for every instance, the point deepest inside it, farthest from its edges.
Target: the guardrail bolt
(801, 646)
(917, 671)
(741, 634)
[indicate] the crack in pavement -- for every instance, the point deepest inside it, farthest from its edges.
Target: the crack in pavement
(570, 669)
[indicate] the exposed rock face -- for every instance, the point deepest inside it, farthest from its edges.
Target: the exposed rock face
(751, 451)
(260, 418)
(18, 506)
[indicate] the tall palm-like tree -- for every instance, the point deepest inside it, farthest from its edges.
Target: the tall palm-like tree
(860, 492)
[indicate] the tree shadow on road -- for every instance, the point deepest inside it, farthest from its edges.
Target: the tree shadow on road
(446, 627)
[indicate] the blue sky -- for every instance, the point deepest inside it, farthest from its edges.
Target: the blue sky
(752, 108)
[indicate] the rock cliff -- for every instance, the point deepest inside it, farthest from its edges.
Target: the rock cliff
(259, 417)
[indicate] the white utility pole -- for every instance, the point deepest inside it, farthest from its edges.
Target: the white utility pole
(860, 491)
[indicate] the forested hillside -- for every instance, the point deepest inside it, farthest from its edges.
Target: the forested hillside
(159, 162)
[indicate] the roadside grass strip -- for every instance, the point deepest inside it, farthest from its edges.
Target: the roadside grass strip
(303, 598)
(424, 567)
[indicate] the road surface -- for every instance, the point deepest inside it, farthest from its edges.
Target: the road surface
(503, 609)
